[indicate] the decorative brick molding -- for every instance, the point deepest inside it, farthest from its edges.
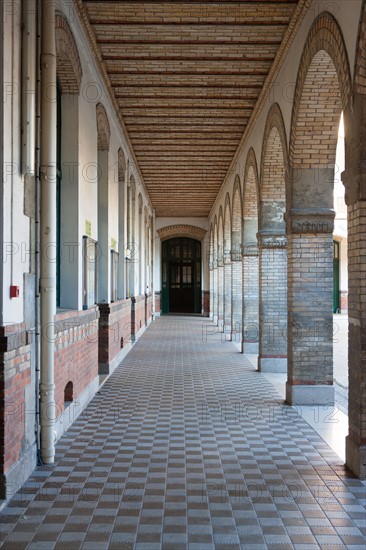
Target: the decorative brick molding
(324, 68)
(182, 230)
(104, 132)
(360, 71)
(310, 220)
(69, 72)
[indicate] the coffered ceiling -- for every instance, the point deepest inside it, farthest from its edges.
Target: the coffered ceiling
(187, 76)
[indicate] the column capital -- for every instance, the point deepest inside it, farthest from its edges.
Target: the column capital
(310, 220)
(355, 184)
(250, 249)
(271, 239)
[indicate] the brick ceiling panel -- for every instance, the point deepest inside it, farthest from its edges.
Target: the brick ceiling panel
(186, 77)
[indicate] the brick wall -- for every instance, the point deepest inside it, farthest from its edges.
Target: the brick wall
(76, 352)
(15, 376)
(206, 302)
(114, 331)
(139, 320)
(158, 301)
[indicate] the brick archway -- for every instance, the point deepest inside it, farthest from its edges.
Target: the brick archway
(250, 260)
(182, 230)
(236, 259)
(69, 71)
(360, 70)
(227, 265)
(324, 67)
(103, 129)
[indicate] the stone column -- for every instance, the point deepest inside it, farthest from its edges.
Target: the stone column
(310, 301)
(272, 301)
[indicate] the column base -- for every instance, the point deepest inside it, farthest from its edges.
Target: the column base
(356, 458)
(309, 395)
(250, 347)
(272, 364)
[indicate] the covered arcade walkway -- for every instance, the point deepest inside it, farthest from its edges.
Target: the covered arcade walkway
(186, 446)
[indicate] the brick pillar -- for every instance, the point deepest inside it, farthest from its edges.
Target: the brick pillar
(272, 302)
(215, 292)
(220, 292)
(310, 307)
(211, 313)
(356, 439)
(227, 295)
(354, 180)
(237, 296)
(250, 269)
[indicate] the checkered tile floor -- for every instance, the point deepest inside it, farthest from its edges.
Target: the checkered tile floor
(187, 447)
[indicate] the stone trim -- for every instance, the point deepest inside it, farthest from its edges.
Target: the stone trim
(69, 319)
(14, 336)
(271, 240)
(310, 220)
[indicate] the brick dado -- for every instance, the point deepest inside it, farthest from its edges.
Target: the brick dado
(16, 441)
(76, 353)
(138, 313)
(158, 301)
(206, 302)
(115, 330)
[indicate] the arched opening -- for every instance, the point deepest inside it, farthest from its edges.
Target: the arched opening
(68, 393)
(211, 268)
(215, 275)
(69, 76)
(272, 247)
(227, 269)
(181, 275)
(104, 264)
(236, 266)
(250, 261)
(122, 167)
(220, 269)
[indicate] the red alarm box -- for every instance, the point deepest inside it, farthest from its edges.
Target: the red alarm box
(14, 291)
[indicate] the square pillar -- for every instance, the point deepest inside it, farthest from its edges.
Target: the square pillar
(272, 302)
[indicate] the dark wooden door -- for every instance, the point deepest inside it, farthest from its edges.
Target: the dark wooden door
(181, 297)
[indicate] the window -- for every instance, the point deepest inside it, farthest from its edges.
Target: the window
(89, 272)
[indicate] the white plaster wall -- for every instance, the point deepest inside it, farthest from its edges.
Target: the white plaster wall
(92, 92)
(16, 252)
